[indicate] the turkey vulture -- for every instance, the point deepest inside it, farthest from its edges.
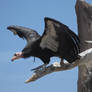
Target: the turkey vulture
(57, 40)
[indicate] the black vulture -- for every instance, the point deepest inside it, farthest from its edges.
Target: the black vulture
(57, 40)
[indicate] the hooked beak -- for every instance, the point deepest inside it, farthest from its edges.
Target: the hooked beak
(17, 55)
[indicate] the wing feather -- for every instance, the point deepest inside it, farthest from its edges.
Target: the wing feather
(59, 38)
(49, 37)
(23, 32)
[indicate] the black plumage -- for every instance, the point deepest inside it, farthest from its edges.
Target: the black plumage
(57, 40)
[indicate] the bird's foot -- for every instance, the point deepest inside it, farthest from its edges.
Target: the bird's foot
(39, 67)
(56, 64)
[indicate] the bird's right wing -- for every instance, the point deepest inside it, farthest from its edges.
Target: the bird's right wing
(58, 36)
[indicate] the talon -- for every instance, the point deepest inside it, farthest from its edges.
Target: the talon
(39, 67)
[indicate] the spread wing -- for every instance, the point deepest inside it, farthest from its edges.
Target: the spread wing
(50, 36)
(29, 34)
(58, 36)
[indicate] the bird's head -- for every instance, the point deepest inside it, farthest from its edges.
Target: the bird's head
(30, 35)
(25, 53)
(17, 55)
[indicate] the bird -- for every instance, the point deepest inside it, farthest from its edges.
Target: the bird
(57, 40)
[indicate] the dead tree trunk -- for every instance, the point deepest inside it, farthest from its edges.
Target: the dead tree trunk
(84, 20)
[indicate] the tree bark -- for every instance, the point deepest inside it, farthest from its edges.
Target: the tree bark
(84, 21)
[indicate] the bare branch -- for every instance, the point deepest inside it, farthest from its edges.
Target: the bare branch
(85, 57)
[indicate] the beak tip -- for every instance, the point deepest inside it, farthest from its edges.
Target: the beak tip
(12, 60)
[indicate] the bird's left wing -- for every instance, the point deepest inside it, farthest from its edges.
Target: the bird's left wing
(23, 32)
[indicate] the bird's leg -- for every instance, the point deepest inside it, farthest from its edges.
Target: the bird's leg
(62, 61)
(39, 67)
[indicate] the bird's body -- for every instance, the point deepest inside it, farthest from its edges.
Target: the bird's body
(37, 51)
(57, 40)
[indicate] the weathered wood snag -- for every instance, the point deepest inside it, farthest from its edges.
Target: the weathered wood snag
(84, 20)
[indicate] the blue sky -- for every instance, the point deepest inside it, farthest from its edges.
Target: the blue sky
(31, 13)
